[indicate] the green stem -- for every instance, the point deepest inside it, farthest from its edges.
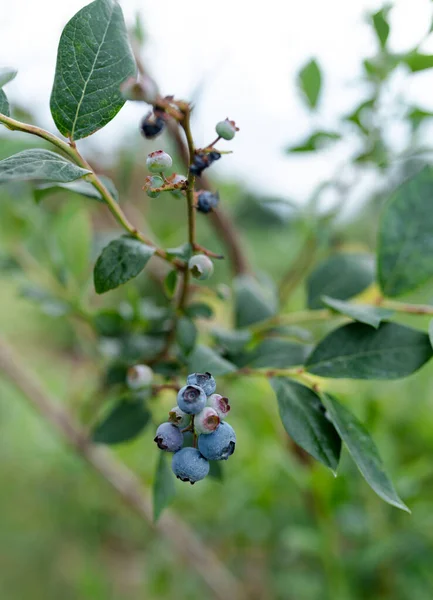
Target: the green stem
(292, 318)
(414, 309)
(72, 152)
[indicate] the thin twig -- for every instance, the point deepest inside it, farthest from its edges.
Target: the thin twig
(179, 536)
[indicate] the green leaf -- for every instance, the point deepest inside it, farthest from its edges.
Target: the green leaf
(430, 332)
(186, 334)
(6, 75)
(199, 310)
(277, 353)
(204, 359)
(363, 451)
(405, 240)
(183, 252)
(370, 315)
(310, 82)
(417, 62)
(124, 422)
(4, 104)
(381, 25)
(341, 276)
(94, 57)
(83, 188)
(39, 164)
(170, 283)
(49, 304)
(303, 417)
(164, 489)
(316, 141)
(119, 262)
(232, 340)
(417, 116)
(361, 116)
(357, 351)
(252, 302)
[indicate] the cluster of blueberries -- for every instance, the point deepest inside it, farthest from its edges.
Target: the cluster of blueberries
(199, 412)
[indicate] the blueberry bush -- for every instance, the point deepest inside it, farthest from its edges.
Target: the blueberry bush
(185, 332)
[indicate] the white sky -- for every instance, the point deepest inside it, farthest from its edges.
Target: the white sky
(246, 54)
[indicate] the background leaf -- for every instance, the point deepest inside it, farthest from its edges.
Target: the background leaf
(310, 82)
(405, 241)
(39, 164)
(164, 489)
(303, 417)
(4, 104)
(370, 315)
(316, 141)
(93, 59)
(124, 422)
(83, 188)
(6, 75)
(204, 359)
(170, 283)
(186, 334)
(417, 61)
(363, 451)
(381, 25)
(73, 233)
(358, 351)
(252, 303)
(341, 276)
(277, 353)
(119, 262)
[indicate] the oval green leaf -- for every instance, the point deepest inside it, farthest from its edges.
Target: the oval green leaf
(186, 334)
(341, 276)
(357, 351)
(124, 422)
(119, 262)
(252, 302)
(6, 75)
(204, 359)
(405, 242)
(363, 451)
(37, 164)
(278, 353)
(4, 104)
(310, 82)
(94, 58)
(83, 188)
(303, 417)
(370, 315)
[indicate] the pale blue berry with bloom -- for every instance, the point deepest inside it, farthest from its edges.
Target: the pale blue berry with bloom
(218, 445)
(189, 465)
(168, 437)
(191, 399)
(203, 380)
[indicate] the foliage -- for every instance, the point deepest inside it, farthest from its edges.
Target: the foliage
(332, 313)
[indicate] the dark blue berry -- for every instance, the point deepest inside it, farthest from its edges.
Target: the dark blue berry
(152, 125)
(206, 201)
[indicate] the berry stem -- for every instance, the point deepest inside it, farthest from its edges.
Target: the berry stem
(71, 151)
(212, 144)
(207, 252)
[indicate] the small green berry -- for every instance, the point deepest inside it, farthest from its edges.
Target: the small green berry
(226, 129)
(139, 377)
(201, 266)
(159, 161)
(153, 181)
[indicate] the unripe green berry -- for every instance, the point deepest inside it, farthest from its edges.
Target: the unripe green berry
(201, 266)
(226, 129)
(154, 181)
(159, 161)
(139, 376)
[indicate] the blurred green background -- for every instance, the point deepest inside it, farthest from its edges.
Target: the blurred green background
(286, 528)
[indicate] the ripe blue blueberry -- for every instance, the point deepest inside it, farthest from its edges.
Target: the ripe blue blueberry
(201, 266)
(191, 399)
(152, 125)
(203, 160)
(189, 465)
(206, 421)
(204, 380)
(138, 377)
(206, 201)
(169, 437)
(226, 129)
(218, 445)
(178, 417)
(159, 161)
(220, 404)
(151, 182)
